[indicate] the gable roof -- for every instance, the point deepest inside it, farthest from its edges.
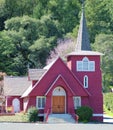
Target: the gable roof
(84, 53)
(39, 87)
(15, 86)
(46, 68)
(36, 74)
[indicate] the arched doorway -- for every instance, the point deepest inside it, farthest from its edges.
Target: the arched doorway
(59, 100)
(16, 105)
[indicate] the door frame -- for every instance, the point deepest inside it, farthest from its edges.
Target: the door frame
(16, 104)
(58, 91)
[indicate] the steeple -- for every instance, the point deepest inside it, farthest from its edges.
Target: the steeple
(83, 42)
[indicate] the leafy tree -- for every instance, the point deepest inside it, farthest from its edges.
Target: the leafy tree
(16, 41)
(20, 8)
(65, 12)
(26, 41)
(30, 29)
(104, 43)
(98, 17)
(14, 8)
(40, 51)
(40, 9)
(62, 49)
(3, 14)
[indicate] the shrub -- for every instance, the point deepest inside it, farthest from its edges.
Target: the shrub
(84, 113)
(32, 114)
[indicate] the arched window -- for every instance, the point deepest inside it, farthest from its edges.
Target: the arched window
(85, 65)
(85, 62)
(85, 81)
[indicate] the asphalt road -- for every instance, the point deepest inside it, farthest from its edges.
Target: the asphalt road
(107, 125)
(26, 126)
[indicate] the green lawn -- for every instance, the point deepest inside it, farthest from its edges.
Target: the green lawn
(108, 112)
(14, 118)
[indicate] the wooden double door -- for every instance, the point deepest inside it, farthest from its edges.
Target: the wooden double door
(58, 104)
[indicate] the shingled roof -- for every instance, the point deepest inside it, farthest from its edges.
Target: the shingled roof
(83, 42)
(15, 86)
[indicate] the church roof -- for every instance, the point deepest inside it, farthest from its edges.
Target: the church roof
(91, 53)
(36, 74)
(83, 42)
(16, 86)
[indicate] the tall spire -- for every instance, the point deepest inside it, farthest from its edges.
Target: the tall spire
(83, 42)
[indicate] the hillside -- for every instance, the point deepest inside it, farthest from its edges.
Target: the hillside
(29, 30)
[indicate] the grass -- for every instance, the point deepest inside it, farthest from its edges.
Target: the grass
(108, 112)
(14, 118)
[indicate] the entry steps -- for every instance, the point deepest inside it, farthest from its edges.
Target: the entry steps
(60, 118)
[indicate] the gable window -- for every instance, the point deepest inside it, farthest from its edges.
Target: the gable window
(85, 81)
(77, 102)
(40, 102)
(85, 65)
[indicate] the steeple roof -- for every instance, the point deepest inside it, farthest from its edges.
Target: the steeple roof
(83, 42)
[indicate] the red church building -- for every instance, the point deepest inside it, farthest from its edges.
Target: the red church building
(61, 87)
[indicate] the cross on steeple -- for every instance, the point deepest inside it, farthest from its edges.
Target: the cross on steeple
(83, 42)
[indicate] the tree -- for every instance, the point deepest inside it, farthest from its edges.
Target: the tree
(27, 40)
(65, 12)
(40, 51)
(104, 43)
(3, 14)
(62, 49)
(98, 17)
(15, 41)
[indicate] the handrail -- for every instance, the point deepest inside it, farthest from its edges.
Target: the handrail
(47, 115)
(75, 116)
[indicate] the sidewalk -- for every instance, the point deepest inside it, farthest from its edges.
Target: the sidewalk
(108, 119)
(60, 119)
(26, 126)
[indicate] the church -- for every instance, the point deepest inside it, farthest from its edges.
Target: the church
(61, 87)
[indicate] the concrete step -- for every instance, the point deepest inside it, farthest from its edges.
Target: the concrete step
(60, 118)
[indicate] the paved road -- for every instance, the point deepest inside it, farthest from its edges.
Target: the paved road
(107, 125)
(25, 126)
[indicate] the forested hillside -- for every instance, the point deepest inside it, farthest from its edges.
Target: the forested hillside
(30, 29)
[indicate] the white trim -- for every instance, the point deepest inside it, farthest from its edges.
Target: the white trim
(56, 81)
(42, 77)
(75, 98)
(59, 95)
(16, 104)
(37, 98)
(99, 115)
(59, 91)
(85, 81)
(84, 53)
(40, 114)
(85, 65)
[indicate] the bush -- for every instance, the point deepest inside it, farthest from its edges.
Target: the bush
(85, 113)
(32, 114)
